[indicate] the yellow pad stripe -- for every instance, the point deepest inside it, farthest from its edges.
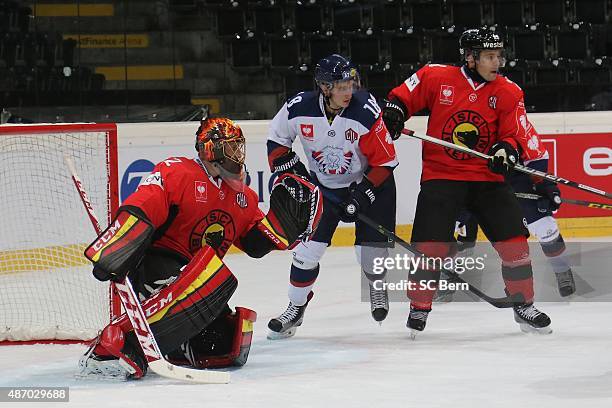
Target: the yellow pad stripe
(247, 326)
(129, 223)
(267, 224)
(213, 266)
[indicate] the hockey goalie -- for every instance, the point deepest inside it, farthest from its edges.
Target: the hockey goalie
(169, 237)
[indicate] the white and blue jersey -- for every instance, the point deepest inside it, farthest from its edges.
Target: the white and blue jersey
(340, 152)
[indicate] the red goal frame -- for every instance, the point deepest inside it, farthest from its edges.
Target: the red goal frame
(113, 192)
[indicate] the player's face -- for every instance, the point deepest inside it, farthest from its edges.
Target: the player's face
(341, 94)
(489, 62)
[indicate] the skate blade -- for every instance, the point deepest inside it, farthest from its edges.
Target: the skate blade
(272, 335)
(526, 328)
(413, 334)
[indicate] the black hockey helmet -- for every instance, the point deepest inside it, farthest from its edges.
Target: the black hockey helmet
(479, 39)
(335, 68)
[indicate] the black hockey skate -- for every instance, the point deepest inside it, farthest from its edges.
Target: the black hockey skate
(286, 324)
(531, 319)
(379, 303)
(417, 319)
(565, 283)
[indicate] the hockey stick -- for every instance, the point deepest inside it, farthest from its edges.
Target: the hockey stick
(590, 204)
(504, 302)
(133, 309)
(518, 167)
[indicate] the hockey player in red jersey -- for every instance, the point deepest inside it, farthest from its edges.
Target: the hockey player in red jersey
(474, 106)
(168, 238)
(538, 213)
(351, 157)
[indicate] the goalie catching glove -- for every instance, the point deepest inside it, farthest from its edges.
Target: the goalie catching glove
(121, 246)
(296, 206)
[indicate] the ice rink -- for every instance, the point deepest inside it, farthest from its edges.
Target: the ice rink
(470, 355)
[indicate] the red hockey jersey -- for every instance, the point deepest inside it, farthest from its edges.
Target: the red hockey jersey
(191, 209)
(468, 114)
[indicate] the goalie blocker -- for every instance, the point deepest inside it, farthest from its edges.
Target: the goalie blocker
(188, 313)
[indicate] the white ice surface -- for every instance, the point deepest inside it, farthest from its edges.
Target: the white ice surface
(470, 355)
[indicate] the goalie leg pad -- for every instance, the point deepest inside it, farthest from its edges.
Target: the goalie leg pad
(184, 307)
(296, 206)
(225, 342)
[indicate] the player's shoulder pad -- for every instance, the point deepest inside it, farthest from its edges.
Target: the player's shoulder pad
(304, 104)
(363, 109)
(508, 92)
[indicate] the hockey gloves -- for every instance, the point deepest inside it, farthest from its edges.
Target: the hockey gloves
(551, 196)
(120, 247)
(296, 206)
(290, 163)
(361, 198)
(503, 158)
(394, 114)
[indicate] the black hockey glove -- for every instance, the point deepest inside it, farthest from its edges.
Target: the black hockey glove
(394, 115)
(551, 196)
(290, 163)
(504, 158)
(361, 198)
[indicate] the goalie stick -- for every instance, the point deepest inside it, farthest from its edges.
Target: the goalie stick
(517, 167)
(133, 309)
(590, 204)
(503, 302)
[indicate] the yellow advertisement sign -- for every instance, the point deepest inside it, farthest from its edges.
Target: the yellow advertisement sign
(109, 40)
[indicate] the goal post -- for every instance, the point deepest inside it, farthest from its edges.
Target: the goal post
(47, 291)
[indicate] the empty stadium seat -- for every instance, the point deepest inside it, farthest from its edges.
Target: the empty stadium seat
(572, 43)
(550, 12)
(284, 52)
(428, 14)
(246, 53)
(509, 13)
(364, 50)
(445, 47)
(406, 49)
(320, 47)
(593, 11)
(529, 45)
(467, 13)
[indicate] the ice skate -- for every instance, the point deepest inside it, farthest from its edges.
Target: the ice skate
(286, 324)
(565, 283)
(417, 319)
(379, 303)
(531, 320)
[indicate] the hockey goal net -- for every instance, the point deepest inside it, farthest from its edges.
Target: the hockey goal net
(47, 291)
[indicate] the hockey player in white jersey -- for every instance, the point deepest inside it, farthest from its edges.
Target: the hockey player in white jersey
(351, 157)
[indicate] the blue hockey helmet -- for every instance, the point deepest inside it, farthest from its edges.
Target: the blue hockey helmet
(335, 68)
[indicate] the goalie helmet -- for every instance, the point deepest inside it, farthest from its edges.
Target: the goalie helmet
(221, 140)
(335, 68)
(475, 40)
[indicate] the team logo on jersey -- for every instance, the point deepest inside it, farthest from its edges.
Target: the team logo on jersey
(241, 200)
(447, 93)
(307, 131)
(331, 133)
(469, 129)
(216, 230)
(351, 135)
(201, 191)
(332, 160)
(492, 102)
(473, 97)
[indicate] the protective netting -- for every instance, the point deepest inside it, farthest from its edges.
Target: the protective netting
(47, 291)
